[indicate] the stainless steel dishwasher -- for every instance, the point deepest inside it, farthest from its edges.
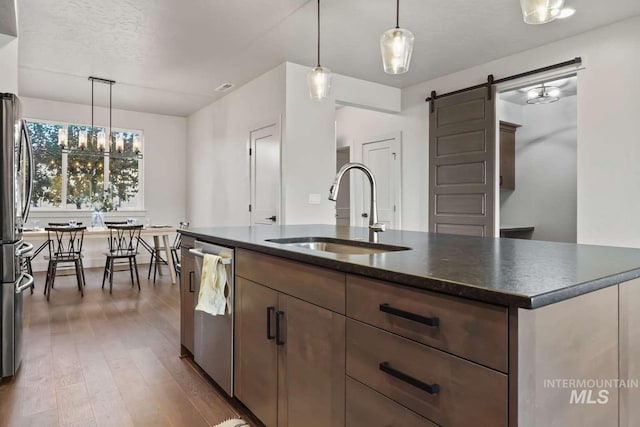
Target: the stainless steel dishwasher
(213, 335)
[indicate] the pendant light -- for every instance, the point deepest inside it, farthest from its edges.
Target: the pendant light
(541, 11)
(319, 78)
(396, 46)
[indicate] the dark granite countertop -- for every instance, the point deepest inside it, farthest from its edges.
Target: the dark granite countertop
(510, 272)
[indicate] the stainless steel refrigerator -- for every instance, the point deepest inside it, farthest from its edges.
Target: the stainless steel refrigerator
(16, 178)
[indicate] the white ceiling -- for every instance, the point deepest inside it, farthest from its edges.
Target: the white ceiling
(168, 56)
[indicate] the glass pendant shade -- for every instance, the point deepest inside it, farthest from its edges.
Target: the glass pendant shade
(543, 95)
(119, 143)
(319, 81)
(82, 139)
(396, 46)
(102, 140)
(541, 11)
(62, 137)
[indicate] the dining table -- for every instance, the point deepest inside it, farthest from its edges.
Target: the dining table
(156, 232)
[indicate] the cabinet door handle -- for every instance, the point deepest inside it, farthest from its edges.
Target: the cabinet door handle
(429, 321)
(191, 273)
(279, 316)
(270, 311)
(429, 388)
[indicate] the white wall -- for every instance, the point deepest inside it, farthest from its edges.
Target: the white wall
(164, 164)
(509, 112)
(218, 135)
(309, 152)
(8, 64)
(355, 125)
(608, 110)
(546, 171)
(218, 150)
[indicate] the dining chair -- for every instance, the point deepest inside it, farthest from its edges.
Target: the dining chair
(123, 245)
(156, 253)
(65, 247)
(27, 260)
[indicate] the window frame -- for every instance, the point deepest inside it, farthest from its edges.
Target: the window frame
(64, 206)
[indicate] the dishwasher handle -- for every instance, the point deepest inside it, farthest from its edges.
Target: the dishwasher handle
(199, 253)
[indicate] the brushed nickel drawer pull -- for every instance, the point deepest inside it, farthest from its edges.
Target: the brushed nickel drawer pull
(429, 321)
(429, 388)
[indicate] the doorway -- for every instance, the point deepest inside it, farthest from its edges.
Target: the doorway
(537, 142)
(264, 153)
(383, 155)
(343, 204)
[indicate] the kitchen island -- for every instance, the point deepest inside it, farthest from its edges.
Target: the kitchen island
(437, 330)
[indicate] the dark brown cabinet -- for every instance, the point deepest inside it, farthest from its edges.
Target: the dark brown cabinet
(311, 366)
(289, 353)
(187, 296)
(368, 408)
(256, 355)
(508, 155)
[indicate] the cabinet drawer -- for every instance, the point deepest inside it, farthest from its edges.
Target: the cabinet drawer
(446, 389)
(368, 408)
(312, 284)
(473, 330)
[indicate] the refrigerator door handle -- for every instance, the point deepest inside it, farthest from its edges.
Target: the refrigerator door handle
(27, 200)
(25, 285)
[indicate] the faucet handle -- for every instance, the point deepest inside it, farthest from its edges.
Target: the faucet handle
(378, 226)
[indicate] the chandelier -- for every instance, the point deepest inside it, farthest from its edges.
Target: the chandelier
(106, 144)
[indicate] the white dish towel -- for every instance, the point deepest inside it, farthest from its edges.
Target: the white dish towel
(212, 297)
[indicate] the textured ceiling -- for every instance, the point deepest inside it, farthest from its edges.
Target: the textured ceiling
(169, 55)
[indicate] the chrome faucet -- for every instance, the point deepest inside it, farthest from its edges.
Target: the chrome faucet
(374, 225)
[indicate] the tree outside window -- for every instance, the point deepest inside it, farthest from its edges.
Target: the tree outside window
(82, 179)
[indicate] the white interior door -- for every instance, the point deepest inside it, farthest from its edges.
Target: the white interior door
(384, 157)
(343, 204)
(265, 175)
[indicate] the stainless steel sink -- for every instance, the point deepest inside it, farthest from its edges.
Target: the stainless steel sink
(338, 246)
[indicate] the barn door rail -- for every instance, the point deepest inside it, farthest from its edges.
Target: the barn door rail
(491, 81)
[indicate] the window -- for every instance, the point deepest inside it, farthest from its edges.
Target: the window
(83, 179)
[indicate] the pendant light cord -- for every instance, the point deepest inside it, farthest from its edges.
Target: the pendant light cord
(318, 33)
(92, 128)
(397, 13)
(110, 128)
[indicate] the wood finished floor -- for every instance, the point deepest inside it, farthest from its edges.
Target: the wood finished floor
(107, 360)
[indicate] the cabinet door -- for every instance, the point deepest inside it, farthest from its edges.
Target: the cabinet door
(256, 354)
(311, 383)
(508, 155)
(187, 298)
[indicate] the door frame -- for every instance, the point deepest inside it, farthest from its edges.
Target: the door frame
(258, 126)
(357, 189)
(516, 84)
